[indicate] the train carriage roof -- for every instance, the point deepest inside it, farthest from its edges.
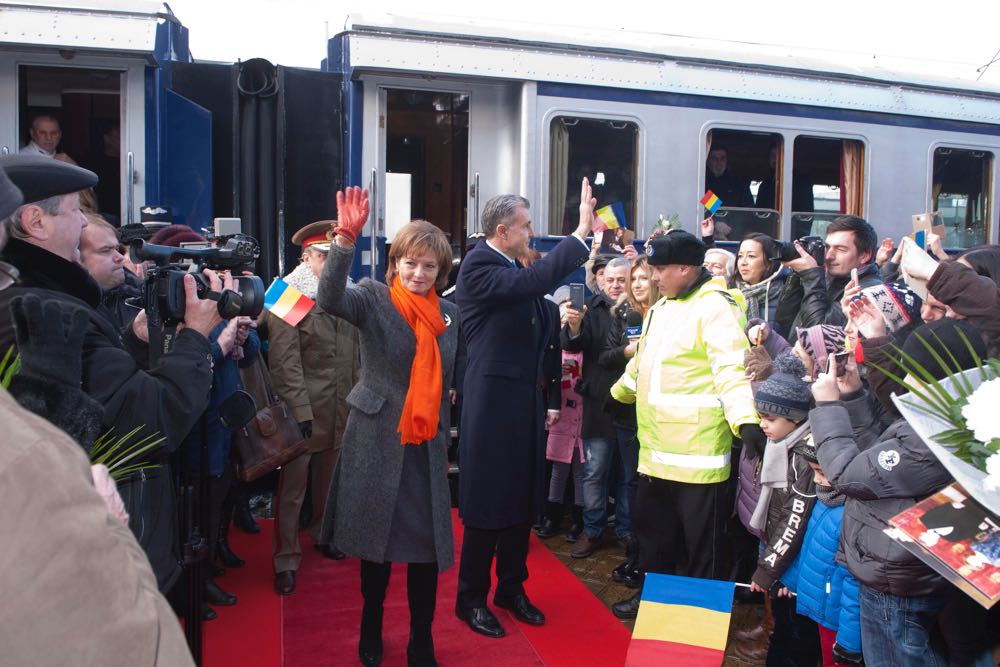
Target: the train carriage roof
(667, 63)
(119, 27)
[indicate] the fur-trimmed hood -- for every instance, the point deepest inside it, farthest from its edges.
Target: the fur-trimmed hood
(304, 280)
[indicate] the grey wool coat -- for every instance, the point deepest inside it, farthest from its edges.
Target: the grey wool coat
(362, 501)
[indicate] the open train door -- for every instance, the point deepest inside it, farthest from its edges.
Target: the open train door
(276, 146)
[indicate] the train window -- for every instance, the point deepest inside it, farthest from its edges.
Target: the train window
(827, 181)
(605, 151)
(961, 193)
(743, 169)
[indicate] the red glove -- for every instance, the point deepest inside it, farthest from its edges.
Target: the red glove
(352, 212)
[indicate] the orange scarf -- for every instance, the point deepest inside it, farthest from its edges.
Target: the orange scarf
(422, 409)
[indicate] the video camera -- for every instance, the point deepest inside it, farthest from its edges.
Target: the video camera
(786, 252)
(165, 280)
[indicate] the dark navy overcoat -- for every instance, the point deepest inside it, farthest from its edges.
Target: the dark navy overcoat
(506, 328)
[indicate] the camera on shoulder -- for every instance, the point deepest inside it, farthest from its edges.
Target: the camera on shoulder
(164, 291)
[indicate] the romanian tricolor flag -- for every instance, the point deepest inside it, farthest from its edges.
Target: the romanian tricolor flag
(286, 302)
(611, 216)
(682, 621)
(711, 202)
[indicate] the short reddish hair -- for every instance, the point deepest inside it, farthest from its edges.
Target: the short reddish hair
(415, 239)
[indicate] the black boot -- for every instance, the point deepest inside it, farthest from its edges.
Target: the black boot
(621, 573)
(577, 526)
(551, 521)
(225, 555)
(421, 591)
(628, 608)
(244, 519)
(374, 581)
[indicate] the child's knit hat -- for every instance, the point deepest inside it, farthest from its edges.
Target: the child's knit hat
(785, 393)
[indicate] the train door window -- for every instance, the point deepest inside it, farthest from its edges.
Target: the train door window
(827, 181)
(961, 193)
(605, 151)
(743, 169)
(427, 137)
(75, 114)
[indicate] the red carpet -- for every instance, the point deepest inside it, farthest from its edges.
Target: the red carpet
(322, 619)
(318, 625)
(247, 634)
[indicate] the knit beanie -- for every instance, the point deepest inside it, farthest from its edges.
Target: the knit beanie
(820, 342)
(898, 304)
(806, 448)
(785, 393)
(944, 338)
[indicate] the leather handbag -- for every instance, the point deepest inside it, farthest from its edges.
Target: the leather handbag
(272, 438)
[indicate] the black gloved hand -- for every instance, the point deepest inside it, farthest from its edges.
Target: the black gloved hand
(753, 439)
(49, 338)
(307, 428)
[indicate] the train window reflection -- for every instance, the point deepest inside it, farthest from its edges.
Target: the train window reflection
(827, 181)
(743, 169)
(606, 152)
(961, 193)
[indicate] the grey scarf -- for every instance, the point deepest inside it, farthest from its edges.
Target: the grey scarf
(774, 473)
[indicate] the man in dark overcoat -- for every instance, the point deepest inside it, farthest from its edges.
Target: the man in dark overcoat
(501, 439)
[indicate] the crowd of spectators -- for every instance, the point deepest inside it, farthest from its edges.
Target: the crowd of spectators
(719, 416)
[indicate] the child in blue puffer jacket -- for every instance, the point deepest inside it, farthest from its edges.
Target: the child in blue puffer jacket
(825, 591)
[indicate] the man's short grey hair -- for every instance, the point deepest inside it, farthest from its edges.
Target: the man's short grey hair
(12, 223)
(617, 263)
(500, 210)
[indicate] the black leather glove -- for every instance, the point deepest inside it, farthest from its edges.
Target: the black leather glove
(49, 338)
(307, 428)
(753, 439)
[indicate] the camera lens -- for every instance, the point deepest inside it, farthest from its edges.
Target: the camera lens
(251, 290)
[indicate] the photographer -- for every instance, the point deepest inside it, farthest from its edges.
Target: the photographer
(813, 293)
(44, 244)
(92, 599)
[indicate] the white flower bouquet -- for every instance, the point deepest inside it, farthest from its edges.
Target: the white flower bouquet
(959, 420)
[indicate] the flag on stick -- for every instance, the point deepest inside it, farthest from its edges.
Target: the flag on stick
(611, 216)
(286, 302)
(681, 621)
(711, 202)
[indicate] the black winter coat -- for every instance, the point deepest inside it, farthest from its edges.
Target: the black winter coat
(502, 435)
(880, 480)
(614, 361)
(595, 384)
(168, 399)
(811, 298)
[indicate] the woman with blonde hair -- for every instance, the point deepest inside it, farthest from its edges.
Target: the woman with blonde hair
(641, 292)
(389, 499)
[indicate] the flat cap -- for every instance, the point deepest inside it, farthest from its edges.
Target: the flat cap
(315, 235)
(10, 196)
(675, 247)
(39, 177)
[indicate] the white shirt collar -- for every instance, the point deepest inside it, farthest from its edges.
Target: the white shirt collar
(506, 256)
(34, 149)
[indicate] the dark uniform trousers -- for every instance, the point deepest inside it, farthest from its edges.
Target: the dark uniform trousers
(510, 545)
(680, 526)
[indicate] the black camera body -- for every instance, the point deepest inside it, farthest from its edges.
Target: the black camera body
(814, 245)
(165, 296)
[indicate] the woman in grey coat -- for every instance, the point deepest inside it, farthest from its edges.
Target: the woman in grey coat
(389, 499)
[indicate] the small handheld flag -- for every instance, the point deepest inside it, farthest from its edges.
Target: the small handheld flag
(681, 621)
(711, 202)
(608, 217)
(286, 302)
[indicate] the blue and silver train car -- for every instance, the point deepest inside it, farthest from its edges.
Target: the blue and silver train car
(449, 115)
(437, 118)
